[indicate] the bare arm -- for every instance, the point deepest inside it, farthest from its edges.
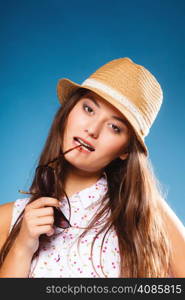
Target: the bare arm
(5, 220)
(17, 263)
(12, 266)
(38, 219)
(176, 231)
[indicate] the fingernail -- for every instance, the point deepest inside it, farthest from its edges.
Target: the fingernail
(60, 203)
(49, 234)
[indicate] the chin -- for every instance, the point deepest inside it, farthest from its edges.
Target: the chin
(81, 168)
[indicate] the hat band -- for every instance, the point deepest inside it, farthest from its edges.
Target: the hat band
(93, 83)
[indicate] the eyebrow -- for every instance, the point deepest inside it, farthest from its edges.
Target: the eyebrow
(114, 117)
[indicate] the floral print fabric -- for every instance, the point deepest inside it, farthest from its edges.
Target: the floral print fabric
(62, 256)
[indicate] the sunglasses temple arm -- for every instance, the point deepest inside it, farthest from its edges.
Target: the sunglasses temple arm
(23, 192)
(69, 150)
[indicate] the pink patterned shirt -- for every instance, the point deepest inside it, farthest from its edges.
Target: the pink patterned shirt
(61, 257)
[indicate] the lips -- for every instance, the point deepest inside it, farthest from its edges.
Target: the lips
(85, 143)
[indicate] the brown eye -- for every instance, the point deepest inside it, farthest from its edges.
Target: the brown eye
(116, 129)
(87, 108)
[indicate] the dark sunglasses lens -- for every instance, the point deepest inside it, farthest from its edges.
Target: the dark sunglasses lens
(60, 220)
(45, 180)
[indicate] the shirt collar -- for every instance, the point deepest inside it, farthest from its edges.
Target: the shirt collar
(89, 196)
(92, 194)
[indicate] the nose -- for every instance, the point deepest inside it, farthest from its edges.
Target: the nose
(91, 133)
(93, 130)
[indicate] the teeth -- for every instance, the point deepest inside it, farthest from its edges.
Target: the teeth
(86, 148)
(85, 145)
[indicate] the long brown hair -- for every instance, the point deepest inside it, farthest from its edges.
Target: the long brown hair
(133, 202)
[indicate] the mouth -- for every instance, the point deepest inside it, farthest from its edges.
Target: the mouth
(84, 144)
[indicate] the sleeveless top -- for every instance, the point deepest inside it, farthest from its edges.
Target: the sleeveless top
(62, 256)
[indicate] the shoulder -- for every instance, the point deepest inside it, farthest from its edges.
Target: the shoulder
(5, 220)
(6, 214)
(176, 232)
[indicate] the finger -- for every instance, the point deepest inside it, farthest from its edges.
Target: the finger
(50, 233)
(43, 229)
(44, 201)
(49, 220)
(41, 212)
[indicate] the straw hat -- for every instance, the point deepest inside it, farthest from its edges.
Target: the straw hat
(129, 87)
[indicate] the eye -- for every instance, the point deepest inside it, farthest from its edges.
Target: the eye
(87, 108)
(116, 129)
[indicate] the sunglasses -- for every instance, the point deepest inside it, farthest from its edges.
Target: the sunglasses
(45, 181)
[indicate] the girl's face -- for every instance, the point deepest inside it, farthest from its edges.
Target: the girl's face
(101, 125)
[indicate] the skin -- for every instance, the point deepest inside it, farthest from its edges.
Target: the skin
(109, 137)
(38, 219)
(96, 125)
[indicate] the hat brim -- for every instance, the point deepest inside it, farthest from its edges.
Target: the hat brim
(66, 88)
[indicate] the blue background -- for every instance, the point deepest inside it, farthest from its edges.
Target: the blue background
(43, 41)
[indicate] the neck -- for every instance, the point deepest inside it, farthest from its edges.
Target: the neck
(77, 180)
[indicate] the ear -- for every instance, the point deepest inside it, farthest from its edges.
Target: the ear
(123, 156)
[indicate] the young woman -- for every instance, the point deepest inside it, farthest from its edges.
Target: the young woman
(96, 208)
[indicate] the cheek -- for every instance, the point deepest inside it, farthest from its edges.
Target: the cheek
(111, 146)
(72, 122)
(114, 151)
(114, 145)
(76, 120)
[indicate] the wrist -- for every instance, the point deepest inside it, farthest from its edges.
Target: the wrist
(21, 251)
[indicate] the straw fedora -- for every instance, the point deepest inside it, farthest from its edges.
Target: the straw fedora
(129, 87)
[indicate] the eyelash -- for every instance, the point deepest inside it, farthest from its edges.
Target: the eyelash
(87, 106)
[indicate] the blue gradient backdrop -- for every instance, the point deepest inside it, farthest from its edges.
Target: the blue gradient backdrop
(43, 41)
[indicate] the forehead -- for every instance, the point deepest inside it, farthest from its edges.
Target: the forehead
(102, 103)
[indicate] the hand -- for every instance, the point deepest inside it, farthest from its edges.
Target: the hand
(38, 219)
